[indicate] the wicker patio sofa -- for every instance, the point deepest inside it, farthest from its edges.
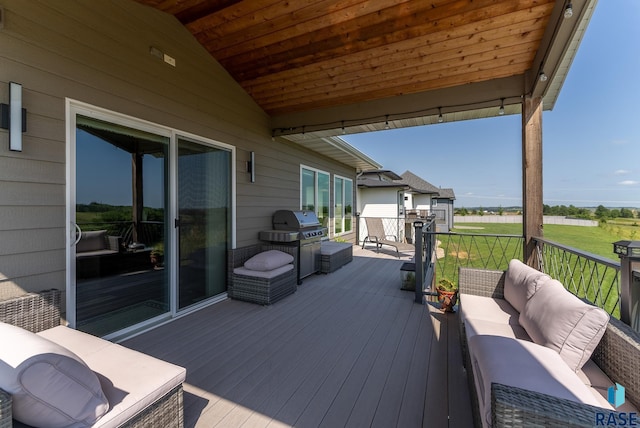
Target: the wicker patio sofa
(261, 287)
(40, 313)
(617, 355)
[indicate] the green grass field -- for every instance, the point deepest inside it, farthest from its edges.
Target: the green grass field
(594, 240)
(494, 253)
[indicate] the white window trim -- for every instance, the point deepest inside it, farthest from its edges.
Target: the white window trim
(317, 171)
(344, 179)
(72, 109)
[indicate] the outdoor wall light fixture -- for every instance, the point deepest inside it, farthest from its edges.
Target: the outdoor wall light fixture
(543, 77)
(568, 11)
(501, 111)
(14, 117)
(440, 118)
(251, 166)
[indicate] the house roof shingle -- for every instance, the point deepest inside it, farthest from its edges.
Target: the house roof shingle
(418, 184)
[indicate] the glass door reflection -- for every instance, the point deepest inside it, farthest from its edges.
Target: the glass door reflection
(121, 177)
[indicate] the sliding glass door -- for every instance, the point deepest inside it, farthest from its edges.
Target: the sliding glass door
(121, 220)
(150, 214)
(204, 219)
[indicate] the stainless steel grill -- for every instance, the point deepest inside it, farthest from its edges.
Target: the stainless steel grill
(300, 228)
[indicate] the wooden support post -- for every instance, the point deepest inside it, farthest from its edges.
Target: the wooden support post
(532, 218)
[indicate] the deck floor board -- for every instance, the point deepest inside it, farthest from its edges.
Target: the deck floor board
(347, 349)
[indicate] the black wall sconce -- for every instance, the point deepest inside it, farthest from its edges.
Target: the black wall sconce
(13, 117)
(251, 166)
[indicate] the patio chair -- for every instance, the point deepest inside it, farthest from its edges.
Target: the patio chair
(376, 235)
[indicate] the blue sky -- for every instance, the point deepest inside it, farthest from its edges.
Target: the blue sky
(591, 138)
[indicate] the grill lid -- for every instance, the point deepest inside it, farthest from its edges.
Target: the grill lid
(295, 220)
(279, 236)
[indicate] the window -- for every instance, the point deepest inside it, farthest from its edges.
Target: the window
(343, 193)
(314, 193)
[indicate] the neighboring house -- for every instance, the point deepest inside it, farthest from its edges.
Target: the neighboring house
(419, 198)
(443, 207)
(380, 194)
(400, 199)
(136, 172)
(424, 198)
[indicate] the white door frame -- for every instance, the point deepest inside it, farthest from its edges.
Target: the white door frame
(73, 108)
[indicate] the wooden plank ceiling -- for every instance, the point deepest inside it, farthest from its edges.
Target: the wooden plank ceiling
(300, 55)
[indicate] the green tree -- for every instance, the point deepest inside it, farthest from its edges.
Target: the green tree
(626, 213)
(500, 210)
(602, 212)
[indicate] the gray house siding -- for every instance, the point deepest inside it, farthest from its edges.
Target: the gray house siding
(277, 185)
(99, 53)
(444, 211)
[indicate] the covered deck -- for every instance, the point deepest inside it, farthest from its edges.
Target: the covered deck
(348, 349)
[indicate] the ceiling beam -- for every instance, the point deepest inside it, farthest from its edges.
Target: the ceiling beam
(473, 96)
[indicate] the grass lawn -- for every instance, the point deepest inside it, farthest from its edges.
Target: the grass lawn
(594, 240)
(486, 252)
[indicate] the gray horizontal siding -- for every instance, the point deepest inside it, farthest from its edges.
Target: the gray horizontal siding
(26, 217)
(98, 53)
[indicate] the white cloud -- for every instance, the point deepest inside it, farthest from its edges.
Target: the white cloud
(622, 172)
(619, 142)
(628, 183)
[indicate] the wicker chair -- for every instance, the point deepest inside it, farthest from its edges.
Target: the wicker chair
(40, 311)
(259, 290)
(617, 355)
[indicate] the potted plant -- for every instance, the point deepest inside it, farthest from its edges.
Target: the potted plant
(447, 294)
(157, 256)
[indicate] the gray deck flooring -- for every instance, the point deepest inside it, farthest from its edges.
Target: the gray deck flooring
(347, 349)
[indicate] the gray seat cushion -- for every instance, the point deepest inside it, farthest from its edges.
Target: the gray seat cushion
(557, 319)
(525, 365)
(487, 309)
(267, 274)
(521, 282)
(131, 380)
(268, 260)
(50, 384)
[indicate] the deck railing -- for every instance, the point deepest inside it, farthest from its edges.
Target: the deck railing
(606, 283)
(444, 253)
(425, 257)
(481, 251)
(586, 275)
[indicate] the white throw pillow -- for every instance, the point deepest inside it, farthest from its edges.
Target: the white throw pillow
(521, 282)
(268, 260)
(50, 385)
(557, 319)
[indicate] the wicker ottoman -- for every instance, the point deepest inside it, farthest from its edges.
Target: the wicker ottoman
(334, 255)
